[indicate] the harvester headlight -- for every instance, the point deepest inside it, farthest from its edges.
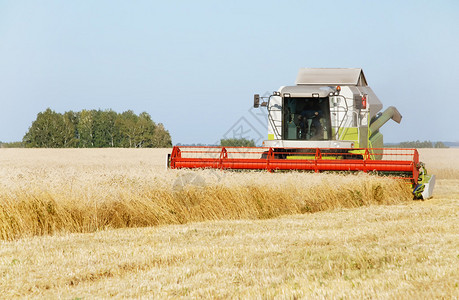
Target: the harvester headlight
(315, 95)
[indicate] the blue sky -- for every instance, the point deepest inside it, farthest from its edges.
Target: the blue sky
(195, 65)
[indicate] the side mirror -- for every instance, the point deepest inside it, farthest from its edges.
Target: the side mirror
(256, 100)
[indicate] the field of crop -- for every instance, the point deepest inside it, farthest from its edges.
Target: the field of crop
(78, 223)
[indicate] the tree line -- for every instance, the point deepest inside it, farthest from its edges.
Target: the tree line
(230, 142)
(95, 129)
(419, 144)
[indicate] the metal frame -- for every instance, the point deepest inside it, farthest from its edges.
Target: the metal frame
(399, 163)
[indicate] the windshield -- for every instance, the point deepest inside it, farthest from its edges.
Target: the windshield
(306, 119)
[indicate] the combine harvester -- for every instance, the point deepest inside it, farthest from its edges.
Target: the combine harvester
(329, 121)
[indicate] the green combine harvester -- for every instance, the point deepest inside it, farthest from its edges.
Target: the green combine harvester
(328, 121)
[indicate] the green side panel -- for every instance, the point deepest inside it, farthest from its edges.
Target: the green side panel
(363, 142)
(376, 141)
(362, 152)
(349, 134)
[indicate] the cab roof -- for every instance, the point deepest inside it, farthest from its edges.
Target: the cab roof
(329, 77)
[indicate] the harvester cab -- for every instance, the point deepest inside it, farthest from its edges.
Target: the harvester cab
(327, 108)
(328, 121)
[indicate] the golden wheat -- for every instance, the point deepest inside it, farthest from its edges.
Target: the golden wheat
(444, 163)
(406, 250)
(50, 191)
(397, 251)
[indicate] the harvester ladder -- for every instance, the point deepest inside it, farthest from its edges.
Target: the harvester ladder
(341, 110)
(347, 123)
(276, 124)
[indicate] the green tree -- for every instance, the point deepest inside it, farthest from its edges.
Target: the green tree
(12, 145)
(237, 143)
(70, 133)
(85, 128)
(440, 145)
(112, 132)
(104, 128)
(126, 123)
(146, 131)
(47, 131)
(416, 144)
(162, 138)
(419, 144)
(141, 132)
(96, 128)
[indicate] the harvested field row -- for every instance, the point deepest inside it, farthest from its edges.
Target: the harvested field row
(92, 204)
(391, 252)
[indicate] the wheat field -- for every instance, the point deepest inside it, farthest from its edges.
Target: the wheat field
(87, 190)
(84, 223)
